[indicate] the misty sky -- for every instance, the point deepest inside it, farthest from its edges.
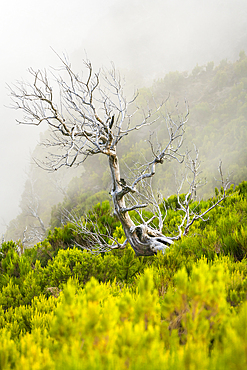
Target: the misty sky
(146, 37)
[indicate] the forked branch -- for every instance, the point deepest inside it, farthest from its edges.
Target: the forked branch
(89, 237)
(189, 216)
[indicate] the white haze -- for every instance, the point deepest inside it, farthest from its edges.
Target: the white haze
(147, 38)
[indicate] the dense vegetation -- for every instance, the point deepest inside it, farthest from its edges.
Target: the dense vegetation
(61, 308)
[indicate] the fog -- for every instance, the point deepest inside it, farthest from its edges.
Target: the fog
(145, 38)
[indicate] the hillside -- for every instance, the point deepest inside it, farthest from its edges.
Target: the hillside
(64, 308)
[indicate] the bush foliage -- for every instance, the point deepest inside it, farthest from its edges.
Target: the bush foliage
(63, 308)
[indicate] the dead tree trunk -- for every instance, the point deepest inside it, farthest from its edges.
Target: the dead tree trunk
(143, 239)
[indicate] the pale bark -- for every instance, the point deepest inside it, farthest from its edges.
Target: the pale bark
(143, 239)
(91, 118)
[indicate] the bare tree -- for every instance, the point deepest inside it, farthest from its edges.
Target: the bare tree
(37, 231)
(90, 116)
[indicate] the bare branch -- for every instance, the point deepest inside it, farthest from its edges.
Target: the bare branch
(92, 239)
(190, 217)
